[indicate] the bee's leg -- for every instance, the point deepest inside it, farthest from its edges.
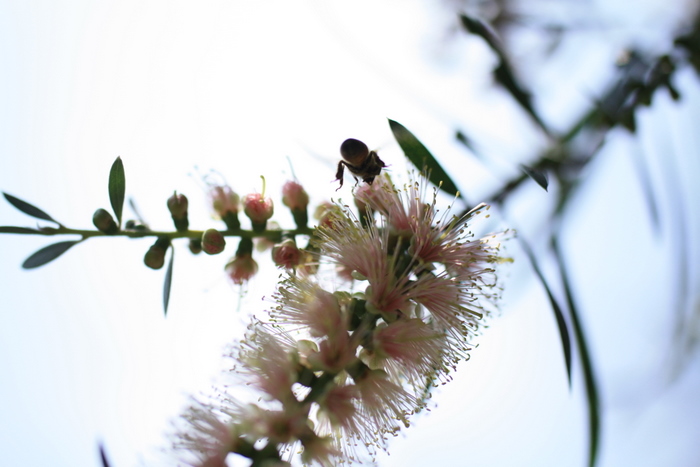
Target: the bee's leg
(339, 174)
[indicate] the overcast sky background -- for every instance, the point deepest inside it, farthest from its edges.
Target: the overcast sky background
(245, 87)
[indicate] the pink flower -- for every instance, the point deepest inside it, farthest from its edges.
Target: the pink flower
(294, 196)
(384, 402)
(303, 303)
(258, 208)
(241, 268)
(409, 347)
(269, 361)
(208, 437)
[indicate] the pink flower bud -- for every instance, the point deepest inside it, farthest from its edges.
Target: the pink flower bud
(213, 242)
(294, 196)
(286, 254)
(258, 208)
(224, 200)
(241, 268)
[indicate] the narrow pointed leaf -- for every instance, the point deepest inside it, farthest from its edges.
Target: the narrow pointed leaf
(28, 208)
(48, 254)
(422, 159)
(103, 456)
(168, 282)
(481, 29)
(539, 176)
(117, 188)
(466, 141)
(586, 363)
(18, 230)
(558, 313)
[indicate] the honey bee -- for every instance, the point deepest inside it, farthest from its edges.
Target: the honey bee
(359, 160)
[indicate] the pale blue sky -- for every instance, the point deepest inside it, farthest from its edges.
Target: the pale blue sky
(85, 353)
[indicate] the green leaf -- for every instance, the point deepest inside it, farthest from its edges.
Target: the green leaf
(168, 282)
(586, 363)
(117, 188)
(18, 230)
(48, 254)
(421, 158)
(539, 176)
(558, 313)
(28, 208)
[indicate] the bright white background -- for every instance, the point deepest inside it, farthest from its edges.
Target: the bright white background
(85, 352)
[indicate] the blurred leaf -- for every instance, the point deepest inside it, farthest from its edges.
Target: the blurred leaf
(421, 158)
(505, 76)
(503, 73)
(168, 282)
(465, 140)
(478, 27)
(586, 364)
(48, 254)
(539, 176)
(28, 208)
(103, 456)
(558, 313)
(18, 230)
(117, 188)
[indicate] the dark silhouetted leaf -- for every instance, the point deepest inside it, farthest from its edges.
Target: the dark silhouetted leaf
(168, 282)
(421, 158)
(503, 73)
(539, 176)
(506, 78)
(18, 230)
(103, 457)
(48, 254)
(558, 313)
(465, 140)
(586, 363)
(481, 29)
(29, 209)
(117, 188)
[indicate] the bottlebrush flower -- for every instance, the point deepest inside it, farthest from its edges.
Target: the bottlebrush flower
(365, 359)
(407, 348)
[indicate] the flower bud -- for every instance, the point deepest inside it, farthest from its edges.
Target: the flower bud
(258, 209)
(104, 222)
(296, 199)
(286, 254)
(195, 246)
(155, 256)
(241, 268)
(213, 242)
(177, 205)
(225, 203)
